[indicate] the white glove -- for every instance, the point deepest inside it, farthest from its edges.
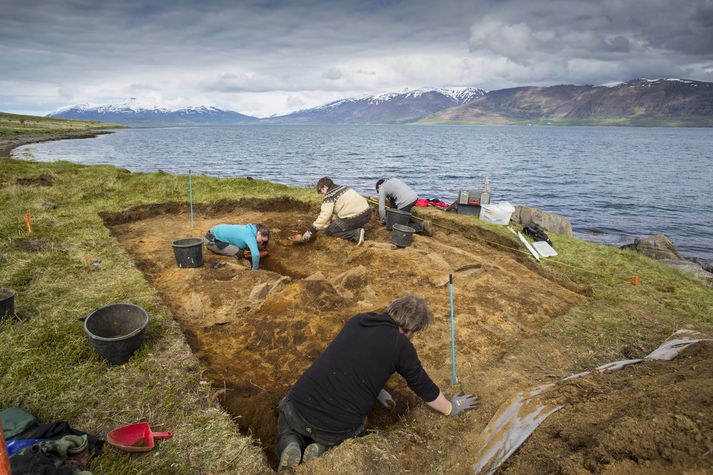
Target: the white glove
(385, 399)
(307, 235)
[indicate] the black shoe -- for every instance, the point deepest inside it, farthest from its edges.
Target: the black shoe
(290, 457)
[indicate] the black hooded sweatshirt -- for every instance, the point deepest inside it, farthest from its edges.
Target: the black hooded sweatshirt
(338, 391)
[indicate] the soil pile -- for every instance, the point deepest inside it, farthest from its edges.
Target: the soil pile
(653, 417)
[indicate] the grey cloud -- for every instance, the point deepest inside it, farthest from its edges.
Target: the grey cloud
(332, 74)
(224, 50)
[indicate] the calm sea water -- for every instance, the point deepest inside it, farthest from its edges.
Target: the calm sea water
(613, 183)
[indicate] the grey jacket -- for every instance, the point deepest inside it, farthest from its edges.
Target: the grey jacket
(399, 191)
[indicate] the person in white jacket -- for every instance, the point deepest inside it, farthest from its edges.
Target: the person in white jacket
(344, 212)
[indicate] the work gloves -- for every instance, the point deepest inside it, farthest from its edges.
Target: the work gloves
(462, 403)
(385, 399)
(307, 235)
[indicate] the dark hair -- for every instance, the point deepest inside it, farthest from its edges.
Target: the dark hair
(378, 184)
(410, 312)
(264, 231)
(325, 180)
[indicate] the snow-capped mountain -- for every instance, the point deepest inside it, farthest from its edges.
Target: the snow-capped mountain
(134, 114)
(390, 107)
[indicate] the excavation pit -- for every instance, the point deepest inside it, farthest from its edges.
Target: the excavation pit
(255, 332)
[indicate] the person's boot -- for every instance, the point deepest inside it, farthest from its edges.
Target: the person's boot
(312, 451)
(290, 457)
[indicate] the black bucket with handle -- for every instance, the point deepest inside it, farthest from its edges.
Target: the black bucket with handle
(7, 303)
(115, 331)
(188, 252)
(395, 216)
(401, 235)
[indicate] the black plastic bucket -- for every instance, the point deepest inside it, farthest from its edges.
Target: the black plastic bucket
(115, 331)
(401, 235)
(7, 303)
(395, 216)
(188, 252)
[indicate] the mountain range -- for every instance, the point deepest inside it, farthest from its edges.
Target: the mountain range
(673, 102)
(132, 114)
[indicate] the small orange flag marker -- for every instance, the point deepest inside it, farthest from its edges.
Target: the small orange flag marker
(636, 280)
(27, 220)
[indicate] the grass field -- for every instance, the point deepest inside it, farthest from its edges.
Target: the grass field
(70, 265)
(14, 124)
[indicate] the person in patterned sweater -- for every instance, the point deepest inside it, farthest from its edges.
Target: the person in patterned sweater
(344, 212)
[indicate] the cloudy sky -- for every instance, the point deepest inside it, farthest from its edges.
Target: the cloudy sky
(272, 57)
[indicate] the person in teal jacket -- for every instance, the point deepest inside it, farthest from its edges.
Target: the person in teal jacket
(234, 239)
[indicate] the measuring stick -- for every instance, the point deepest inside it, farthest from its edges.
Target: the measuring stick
(453, 334)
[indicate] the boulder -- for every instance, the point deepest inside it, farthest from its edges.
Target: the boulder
(280, 283)
(316, 276)
(259, 292)
(657, 247)
(690, 267)
(548, 221)
(354, 278)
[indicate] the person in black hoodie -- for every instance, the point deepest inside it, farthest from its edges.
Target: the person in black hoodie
(330, 401)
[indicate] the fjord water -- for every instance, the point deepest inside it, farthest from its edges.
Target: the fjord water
(613, 183)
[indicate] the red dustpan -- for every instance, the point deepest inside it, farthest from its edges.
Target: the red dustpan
(135, 437)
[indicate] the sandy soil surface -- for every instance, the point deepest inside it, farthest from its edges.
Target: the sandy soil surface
(256, 331)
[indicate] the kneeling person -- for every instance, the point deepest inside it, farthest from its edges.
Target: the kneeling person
(234, 239)
(343, 213)
(401, 197)
(331, 400)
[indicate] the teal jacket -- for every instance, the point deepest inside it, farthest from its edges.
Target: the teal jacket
(243, 236)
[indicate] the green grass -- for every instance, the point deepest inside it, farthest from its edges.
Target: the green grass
(14, 124)
(46, 365)
(48, 368)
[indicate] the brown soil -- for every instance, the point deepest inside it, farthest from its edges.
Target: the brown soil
(654, 417)
(649, 418)
(254, 349)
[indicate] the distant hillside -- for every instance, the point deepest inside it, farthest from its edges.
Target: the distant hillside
(13, 124)
(638, 102)
(393, 107)
(133, 115)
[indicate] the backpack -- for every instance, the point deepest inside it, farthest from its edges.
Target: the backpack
(537, 233)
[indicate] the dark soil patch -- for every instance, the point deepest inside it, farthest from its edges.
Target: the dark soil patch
(653, 417)
(257, 347)
(40, 180)
(205, 210)
(31, 244)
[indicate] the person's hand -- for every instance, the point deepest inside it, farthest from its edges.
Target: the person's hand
(307, 235)
(462, 403)
(385, 399)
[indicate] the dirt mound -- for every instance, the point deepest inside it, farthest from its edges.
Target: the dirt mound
(255, 332)
(653, 417)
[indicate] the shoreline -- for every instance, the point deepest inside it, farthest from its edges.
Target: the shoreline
(9, 143)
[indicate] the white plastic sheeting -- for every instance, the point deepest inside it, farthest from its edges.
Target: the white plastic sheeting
(510, 427)
(521, 415)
